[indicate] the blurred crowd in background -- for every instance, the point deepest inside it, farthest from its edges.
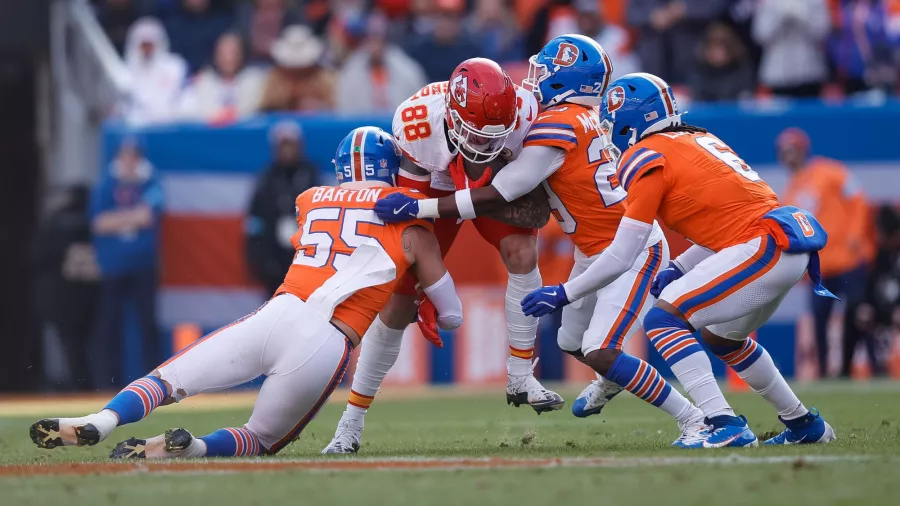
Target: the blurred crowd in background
(217, 60)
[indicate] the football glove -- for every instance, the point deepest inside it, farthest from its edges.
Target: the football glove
(545, 300)
(397, 207)
(666, 276)
(427, 321)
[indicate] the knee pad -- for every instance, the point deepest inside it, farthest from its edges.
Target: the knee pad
(569, 343)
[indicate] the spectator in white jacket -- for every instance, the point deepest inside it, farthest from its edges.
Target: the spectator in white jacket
(792, 35)
(157, 75)
(378, 75)
(227, 90)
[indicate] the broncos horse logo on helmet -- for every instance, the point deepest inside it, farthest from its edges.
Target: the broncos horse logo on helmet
(570, 68)
(637, 105)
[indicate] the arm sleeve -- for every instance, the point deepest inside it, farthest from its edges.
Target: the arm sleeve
(691, 257)
(525, 173)
(630, 240)
(443, 296)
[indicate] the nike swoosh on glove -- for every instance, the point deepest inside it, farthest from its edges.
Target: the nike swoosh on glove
(545, 300)
(666, 276)
(397, 207)
(427, 321)
(461, 179)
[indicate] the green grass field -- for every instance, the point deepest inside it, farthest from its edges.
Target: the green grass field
(630, 460)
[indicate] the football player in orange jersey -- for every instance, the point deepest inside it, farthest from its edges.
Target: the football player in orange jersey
(346, 265)
(448, 132)
(748, 253)
(566, 152)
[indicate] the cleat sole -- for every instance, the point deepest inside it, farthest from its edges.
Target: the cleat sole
(45, 433)
(341, 450)
(133, 448)
(521, 398)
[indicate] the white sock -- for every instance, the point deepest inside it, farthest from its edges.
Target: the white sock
(355, 412)
(380, 348)
(521, 329)
(694, 372)
(105, 421)
(196, 450)
(766, 380)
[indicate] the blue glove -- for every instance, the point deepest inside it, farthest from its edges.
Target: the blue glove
(666, 276)
(544, 300)
(397, 207)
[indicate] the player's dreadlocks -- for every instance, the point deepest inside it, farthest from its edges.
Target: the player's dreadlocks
(691, 129)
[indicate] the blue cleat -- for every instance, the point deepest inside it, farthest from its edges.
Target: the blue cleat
(808, 429)
(594, 397)
(729, 431)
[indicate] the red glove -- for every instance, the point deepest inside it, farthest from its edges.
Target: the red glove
(460, 178)
(427, 321)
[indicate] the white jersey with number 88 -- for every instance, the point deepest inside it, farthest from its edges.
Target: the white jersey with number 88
(418, 126)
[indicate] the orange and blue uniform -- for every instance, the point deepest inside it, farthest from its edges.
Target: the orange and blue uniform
(588, 202)
(333, 223)
(700, 188)
(584, 193)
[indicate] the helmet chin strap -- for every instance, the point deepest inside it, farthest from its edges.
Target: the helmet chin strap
(558, 99)
(633, 140)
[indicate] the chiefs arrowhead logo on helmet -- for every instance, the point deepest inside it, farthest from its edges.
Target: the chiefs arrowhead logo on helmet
(459, 88)
(615, 99)
(567, 55)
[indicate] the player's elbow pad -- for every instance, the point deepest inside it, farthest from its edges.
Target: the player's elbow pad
(446, 302)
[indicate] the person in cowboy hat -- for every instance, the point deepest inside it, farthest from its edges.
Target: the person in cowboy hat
(298, 82)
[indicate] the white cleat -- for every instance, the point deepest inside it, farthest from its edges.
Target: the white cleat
(594, 397)
(528, 390)
(693, 432)
(347, 438)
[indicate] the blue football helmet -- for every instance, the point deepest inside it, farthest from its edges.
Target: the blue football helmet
(367, 154)
(637, 105)
(570, 68)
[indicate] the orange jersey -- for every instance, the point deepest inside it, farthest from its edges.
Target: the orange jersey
(706, 192)
(333, 223)
(585, 196)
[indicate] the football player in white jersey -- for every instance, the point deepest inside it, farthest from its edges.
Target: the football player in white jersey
(456, 135)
